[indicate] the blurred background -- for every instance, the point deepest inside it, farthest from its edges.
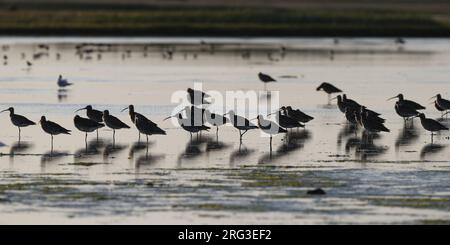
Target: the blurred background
(414, 18)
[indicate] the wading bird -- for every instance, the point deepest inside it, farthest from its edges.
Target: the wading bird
(62, 82)
(265, 79)
(286, 121)
(441, 103)
(215, 120)
(186, 124)
(329, 89)
(93, 114)
(18, 120)
(296, 114)
(409, 103)
(148, 127)
(114, 123)
(86, 125)
(431, 125)
(405, 111)
(240, 123)
(134, 115)
(270, 128)
(52, 128)
(372, 124)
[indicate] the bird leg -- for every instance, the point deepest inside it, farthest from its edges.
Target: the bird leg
(270, 154)
(139, 138)
(114, 137)
(51, 150)
(19, 135)
(85, 141)
(217, 133)
(147, 140)
(97, 134)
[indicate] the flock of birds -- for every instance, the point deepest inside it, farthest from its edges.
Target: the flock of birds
(196, 118)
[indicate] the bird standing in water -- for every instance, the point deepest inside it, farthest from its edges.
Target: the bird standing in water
(134, 115)
(52, 128)
(409, 103)
(148, 127)
(240, 123)
(62, 82)
(86, 125)
(215, 120)
(440, 103)
(186, 124)
(329, 89)
(18, 120)
(114, 123)
(431, 125)
(265, 79)
(93, 114)
(270, 128)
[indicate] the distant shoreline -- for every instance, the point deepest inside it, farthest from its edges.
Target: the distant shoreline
(244, 22)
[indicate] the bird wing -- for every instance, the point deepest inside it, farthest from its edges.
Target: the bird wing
(118, 122)
(58, 127)
(24, 120)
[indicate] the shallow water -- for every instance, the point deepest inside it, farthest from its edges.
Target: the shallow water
(399, 178)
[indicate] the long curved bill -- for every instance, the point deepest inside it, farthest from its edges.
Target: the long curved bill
(4, 110)
(432, 97)
(392, 98)
(168, 118)
(84, 108)
(446, 113)
(333, 98)
(124, 109)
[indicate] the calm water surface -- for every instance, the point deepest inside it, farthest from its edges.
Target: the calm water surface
(399, 178)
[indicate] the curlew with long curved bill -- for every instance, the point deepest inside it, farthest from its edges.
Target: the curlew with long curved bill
(287, 122)
(441, 103)
(372, 124)
(52, 128)
(134, 115)
(86, 125)
(342, 105)
(296, 114)
(270, 128)
(265, 79)
(93, 114)
(329, 89)
(350, 102)
(405, 111)
(431, 125)
(409, 103)
(187, 125)
(240, 123)
(148, 127)
(18, 120)
(114, 123)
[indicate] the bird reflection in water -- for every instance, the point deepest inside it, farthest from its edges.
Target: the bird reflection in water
(346, 131)
(63, 94)
(240, 154)
(367, 148)
(92, 149)
(137, 147)
(406, 136)
(431, 149)
(19, 147)
(112, 149)
(52, 157)
(193, 148)
(293, 141)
